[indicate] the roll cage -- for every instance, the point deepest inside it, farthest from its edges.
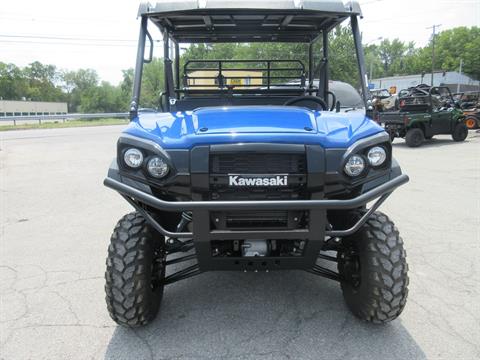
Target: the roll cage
(426, 99)
(215, 21)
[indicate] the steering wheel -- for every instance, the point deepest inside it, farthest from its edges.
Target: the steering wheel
(321, 105)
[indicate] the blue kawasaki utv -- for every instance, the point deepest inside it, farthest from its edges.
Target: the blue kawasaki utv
(252, 165)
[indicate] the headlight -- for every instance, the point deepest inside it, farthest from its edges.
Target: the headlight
(133, 158)
(377, 156)
(157, 167)
(355, 165)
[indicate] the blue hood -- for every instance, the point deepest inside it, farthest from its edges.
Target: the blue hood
(270, 124)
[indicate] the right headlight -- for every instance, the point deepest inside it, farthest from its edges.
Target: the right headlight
(355, 165)
(377, 156)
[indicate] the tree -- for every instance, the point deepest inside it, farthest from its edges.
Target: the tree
(342, 60)
(12, 82)
(152, 83)
(102, 98)
(455, 44)
(77, 84)
(43, 82)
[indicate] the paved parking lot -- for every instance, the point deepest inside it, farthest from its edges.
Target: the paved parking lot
(56, 219)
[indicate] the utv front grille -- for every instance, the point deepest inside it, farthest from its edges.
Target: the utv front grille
(291, 165)
(244, 163)
(253, 163)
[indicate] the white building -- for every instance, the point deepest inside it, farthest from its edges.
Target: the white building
(26, 108)
(454, 80)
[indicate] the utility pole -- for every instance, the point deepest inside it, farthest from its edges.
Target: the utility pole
(434, 27)
(461, 68)
(371, 62)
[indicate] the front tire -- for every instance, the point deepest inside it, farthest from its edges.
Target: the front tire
(460, 132)
(372, 264)
(414, 137)
(135, 272)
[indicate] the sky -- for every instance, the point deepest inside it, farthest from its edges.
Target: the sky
(101, 34)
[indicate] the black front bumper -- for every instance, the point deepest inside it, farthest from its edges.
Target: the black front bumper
(202, 234)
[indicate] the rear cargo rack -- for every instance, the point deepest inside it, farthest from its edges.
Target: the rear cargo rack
(231, 74)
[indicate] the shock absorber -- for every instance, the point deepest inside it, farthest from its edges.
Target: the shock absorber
(184, 221)
(174, 244)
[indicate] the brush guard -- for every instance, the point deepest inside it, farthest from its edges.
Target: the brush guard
(319, 236)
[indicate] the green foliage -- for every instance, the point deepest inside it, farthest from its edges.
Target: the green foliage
(78, 83)
(35, 82)
(394, 57)
(102, 98)
(84, 92)
(342, 60)
(152, 83)
(455, 44)
(80, 89)
(12, 84)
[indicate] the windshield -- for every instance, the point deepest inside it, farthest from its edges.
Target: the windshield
(346, 94)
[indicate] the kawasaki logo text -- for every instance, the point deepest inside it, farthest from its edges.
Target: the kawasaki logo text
(238, 180)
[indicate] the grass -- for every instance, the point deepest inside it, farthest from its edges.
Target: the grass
(66, 124)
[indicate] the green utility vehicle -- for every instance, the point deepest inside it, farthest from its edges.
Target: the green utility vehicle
(424, 113)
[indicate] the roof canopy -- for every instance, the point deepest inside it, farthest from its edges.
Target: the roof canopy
(205, 21)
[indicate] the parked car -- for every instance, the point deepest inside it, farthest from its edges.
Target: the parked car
(423, 114)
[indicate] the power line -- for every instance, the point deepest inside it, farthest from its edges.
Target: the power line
(49, 37)
(64, 43)
(69, 41)
(434, 27)
(62, 20)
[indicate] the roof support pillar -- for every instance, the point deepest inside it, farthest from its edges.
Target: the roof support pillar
(168, 71)
(177, 66)
(324, 72)
(310, 66)
(137, 81)
(357, 38)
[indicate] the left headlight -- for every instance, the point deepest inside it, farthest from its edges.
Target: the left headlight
(377, 156)
(133, 158)
(157, 167)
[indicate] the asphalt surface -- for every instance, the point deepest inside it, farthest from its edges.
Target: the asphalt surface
(56, 219)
